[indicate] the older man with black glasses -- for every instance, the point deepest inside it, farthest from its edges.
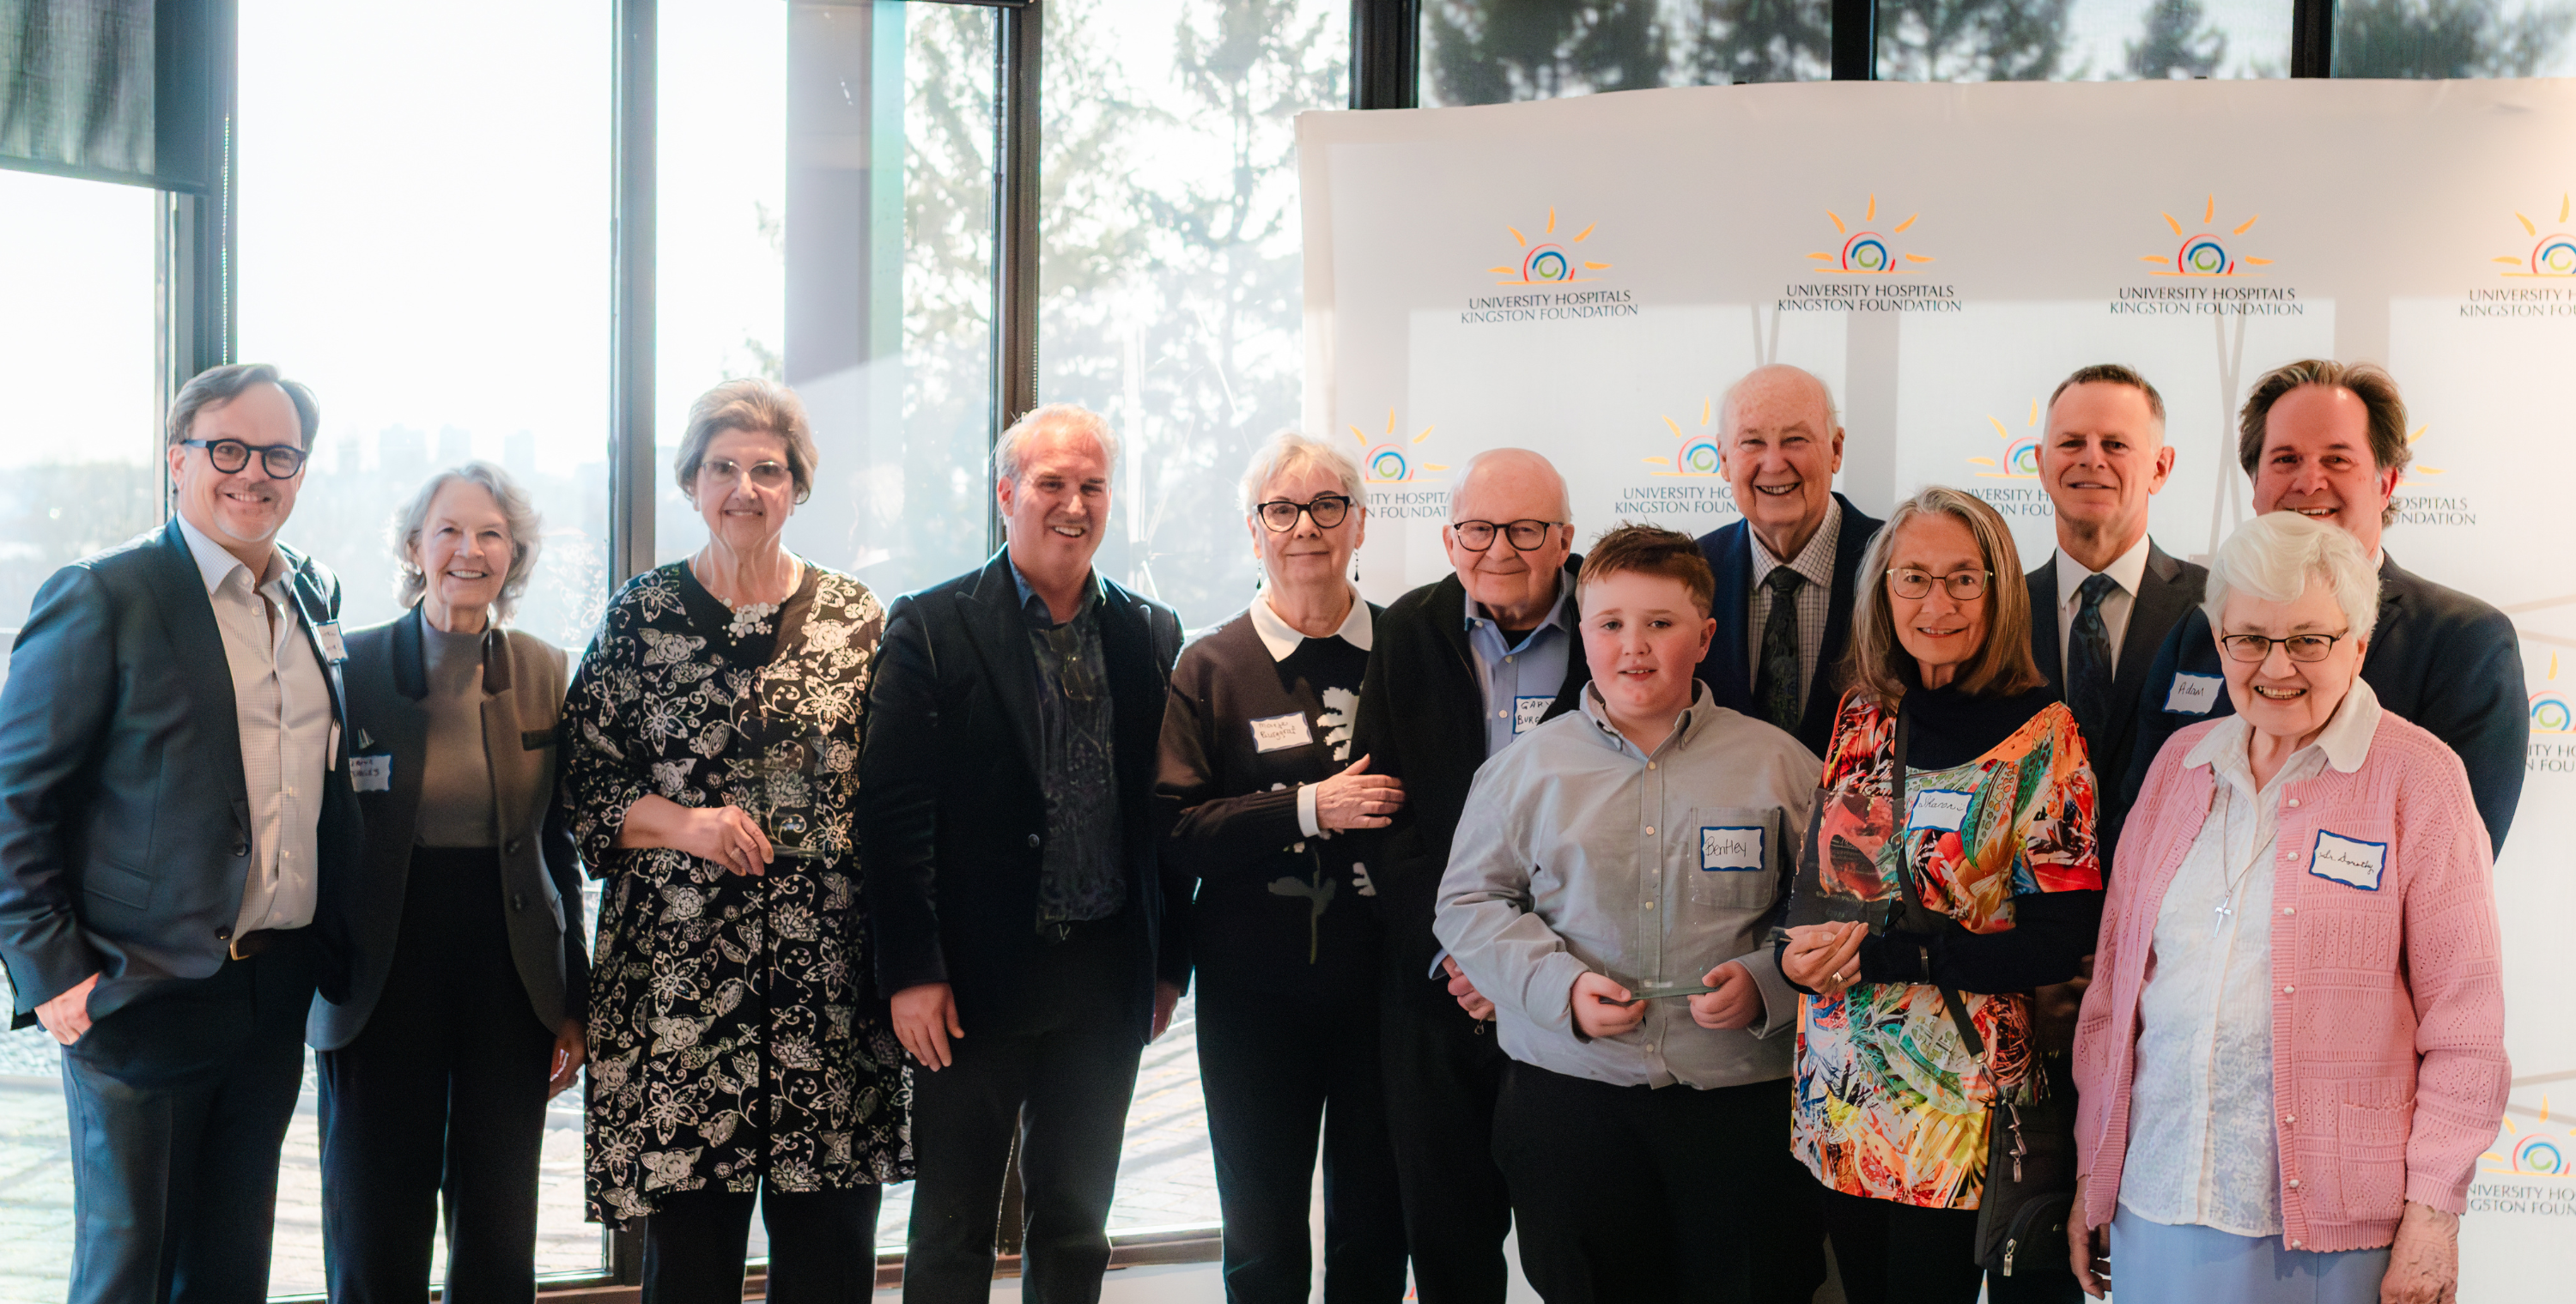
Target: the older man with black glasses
(1462, 667)
(175, 822)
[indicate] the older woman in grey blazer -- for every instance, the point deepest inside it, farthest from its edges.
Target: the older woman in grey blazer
(464, 1013)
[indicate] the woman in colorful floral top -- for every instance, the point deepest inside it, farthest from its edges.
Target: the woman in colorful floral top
(1891, 1107)
(738, 1050)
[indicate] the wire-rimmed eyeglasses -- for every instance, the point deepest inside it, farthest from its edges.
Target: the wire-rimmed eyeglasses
(2301, 647)
(1326, 510)
(1965, 586)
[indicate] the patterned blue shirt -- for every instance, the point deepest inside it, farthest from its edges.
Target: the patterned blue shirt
(1080, 872)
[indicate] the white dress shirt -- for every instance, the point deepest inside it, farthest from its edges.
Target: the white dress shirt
(1815, 564)
(282, 704)
(2128, 570)
(2203, 1149)
(1282, 639)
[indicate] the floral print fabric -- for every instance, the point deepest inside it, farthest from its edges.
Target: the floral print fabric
(1890, 1104)
(734, 1031)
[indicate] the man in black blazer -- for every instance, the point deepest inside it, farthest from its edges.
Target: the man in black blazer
(2328, 440)
(2104, 600)
(1773, 660)
(1015, 898)
(1460, 668)
(176, 828)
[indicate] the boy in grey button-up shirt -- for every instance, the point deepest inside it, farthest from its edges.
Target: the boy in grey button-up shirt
(1641, 844)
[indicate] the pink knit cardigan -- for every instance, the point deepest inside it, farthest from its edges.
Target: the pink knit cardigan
(2388, 1066)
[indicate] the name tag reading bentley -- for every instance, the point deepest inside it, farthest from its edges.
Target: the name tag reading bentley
(1944, 809)
(1281, 732)
(1730, 847)
(2349, 861)
(2193, 694)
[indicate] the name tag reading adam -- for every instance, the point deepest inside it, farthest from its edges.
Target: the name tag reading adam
(1730, 847)
(1527, 712)
(1938, 808)
(2193, 694)
(1281, 732)
(371, 773)
(2349, 861)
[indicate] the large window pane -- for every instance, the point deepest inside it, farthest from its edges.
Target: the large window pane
(424, 239)
(1490, 51)
(2081, 40)
(826, 220)
(81, 474)
(2453, 38)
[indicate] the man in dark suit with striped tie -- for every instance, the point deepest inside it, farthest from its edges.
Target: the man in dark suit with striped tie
(2113, 593)
(1786, 572)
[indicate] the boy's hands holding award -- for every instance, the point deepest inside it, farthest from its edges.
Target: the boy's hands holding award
(1733, 1001)
(1603, 1008)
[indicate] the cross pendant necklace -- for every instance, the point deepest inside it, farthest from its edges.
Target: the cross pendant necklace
(2225, 912)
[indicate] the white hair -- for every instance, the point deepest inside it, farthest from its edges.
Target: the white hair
(1825, 392)
(2276, 555)
(1467, 476)
(525, 525)
(1072, 418)
(1289, 451)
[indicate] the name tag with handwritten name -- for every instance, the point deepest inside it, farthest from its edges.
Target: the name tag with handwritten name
(1527, 712)
(371, 773)
(1281, 732)
(2193, 694)
(1730, 847)
(1944, 809)
(2349, 861)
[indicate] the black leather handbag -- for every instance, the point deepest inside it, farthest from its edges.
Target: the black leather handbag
(2030, 1149)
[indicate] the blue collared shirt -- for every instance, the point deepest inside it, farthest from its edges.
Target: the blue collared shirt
(1520, 680)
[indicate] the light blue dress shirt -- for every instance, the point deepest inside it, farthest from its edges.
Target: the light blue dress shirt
(1520, 680)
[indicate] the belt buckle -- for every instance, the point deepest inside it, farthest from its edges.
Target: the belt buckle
(233, 947)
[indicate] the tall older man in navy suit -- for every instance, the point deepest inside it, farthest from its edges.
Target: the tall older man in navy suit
(175, 816)
(1786, 572)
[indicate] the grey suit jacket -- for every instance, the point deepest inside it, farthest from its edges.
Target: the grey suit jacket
(124, 817)
(538, 877)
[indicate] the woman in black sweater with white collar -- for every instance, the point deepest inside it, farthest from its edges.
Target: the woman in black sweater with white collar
(1256, 782)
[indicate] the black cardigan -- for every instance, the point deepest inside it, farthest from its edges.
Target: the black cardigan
(1422, 719)
(1273, 911)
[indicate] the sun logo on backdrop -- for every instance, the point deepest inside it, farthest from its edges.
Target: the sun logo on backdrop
(2413, 468)
(1387, 462)
(1865, 252)
(2549, 709)
(2021, 452)
(2205, 252)
(2552, 255)
(1547, 262)
(2535, 1154)
(1699, 454)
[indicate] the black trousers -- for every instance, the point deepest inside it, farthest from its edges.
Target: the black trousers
(441, 1098)
(178, 1106)
(1062, 1077)
(1892, 1253)
(1275, 1069)
(1664, 1193)
(822, 1246)
(1443, 1074)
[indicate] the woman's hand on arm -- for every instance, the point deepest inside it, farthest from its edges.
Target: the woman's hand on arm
(1357, 799)
(2424, 1264)
(727, 835)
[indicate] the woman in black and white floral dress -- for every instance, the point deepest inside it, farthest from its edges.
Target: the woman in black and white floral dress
(737, 1045)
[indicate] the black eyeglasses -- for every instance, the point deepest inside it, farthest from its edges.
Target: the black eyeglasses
(1966, 586)
(231, 456)
(2301, 647)
(1476, 536)
(1327, 510)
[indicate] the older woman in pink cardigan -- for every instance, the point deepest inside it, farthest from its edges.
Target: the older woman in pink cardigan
(2292, 1052)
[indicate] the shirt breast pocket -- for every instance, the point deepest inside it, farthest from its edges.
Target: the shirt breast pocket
(1733, 856)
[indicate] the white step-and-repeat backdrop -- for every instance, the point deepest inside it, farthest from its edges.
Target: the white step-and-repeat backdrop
(1585, 276)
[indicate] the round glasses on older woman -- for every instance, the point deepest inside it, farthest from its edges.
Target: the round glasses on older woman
(2313, 867)
(1258, 778)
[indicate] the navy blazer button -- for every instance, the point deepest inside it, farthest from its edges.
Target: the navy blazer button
(1033, 842)
(241, 849)
(223, 934)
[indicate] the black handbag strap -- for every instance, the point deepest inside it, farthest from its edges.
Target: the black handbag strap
(1911, 910)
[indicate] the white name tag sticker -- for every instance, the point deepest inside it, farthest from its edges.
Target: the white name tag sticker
(1938, 808)
(371, 773)
(1281, 732)
(2349, 861)
(2193, 694)
(1527, 712)
(1730, 847)
(328, 635)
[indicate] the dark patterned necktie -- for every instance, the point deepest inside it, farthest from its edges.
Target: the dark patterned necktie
(2088, 662)
(1775, 682)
